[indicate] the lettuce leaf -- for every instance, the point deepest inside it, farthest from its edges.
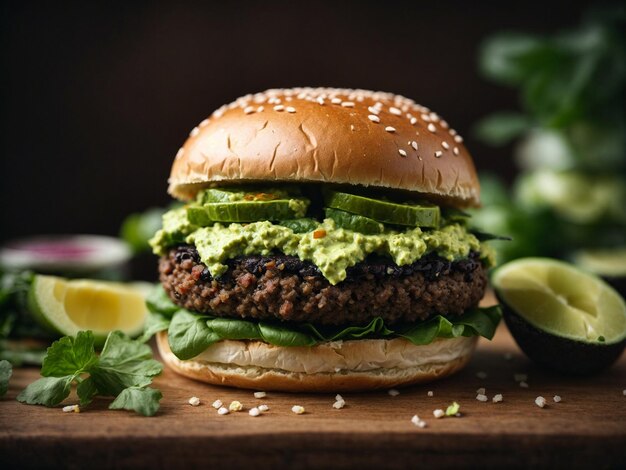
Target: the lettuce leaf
(190, 333)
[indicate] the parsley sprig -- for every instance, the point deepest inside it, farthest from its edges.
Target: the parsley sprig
(123, 370)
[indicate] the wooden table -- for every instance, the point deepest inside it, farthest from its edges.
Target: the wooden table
(374, 430)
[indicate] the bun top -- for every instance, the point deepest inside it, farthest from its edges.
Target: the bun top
(327, 135)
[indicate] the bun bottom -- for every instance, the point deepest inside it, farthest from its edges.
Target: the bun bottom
(340, 366)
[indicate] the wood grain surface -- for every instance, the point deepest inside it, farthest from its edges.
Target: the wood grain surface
(587, 428)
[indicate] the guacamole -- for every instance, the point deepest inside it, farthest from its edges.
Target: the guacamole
(332, 249)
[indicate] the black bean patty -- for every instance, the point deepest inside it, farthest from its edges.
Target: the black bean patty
(286, 288)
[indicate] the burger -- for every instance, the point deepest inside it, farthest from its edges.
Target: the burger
(322, 245)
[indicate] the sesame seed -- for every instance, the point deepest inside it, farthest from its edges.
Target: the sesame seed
(194, 401)
(444, 124)
(203, 123)
(378, 104)
(413, 120)
(352, 127)
(373, 110)
(297, 409)
(223, 411)
(425, 117)
(260, 394)
(373, 118)
(263, 408)
(260, 109)
(180, 153)
(497, 398)
(290, 109)
(335, 101)
(481, 374)
(390, 129)
(523, 384)
(432, 128)
(438, 154)
(430, 393)
(217, 404)
(520, 377)
(402, 152)
(254, 412)
(395, 111)
(279, 107)
(235, 406)
(414, 145)
(434, 117)
(438, 413)
(393, 392)
(481, 397)
(556, 398)
(455, 151)
(71, 409)
(458, 138)
(347, 104)
(445, 145)
(481, 391)
(194, 132)
(320, 100)
(540, 402)
(452, 132)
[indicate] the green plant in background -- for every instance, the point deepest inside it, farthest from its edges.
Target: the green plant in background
(570, 197)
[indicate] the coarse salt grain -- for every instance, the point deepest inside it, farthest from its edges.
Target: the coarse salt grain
(540, 402)
(481, 391)
(523, 384)
(497, 398)
(393, 392)
(223, 411)
(338, 397)
(439, 413)
(481, 374)
(260, 394)
(297, 409)
(430, 393)
(71, 409)
(254, 412)
(339, 404)
(390, 129)
(420, 423)
(194, 401)
(235, 406)
(217, 404)
(556, 398)
(263, 408)
(481, 397)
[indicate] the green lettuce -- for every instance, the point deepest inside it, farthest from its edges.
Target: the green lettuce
(190, 333)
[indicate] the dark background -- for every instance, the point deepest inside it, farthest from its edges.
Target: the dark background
(98, 96)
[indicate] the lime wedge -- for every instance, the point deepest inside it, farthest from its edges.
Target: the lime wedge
(68, 306)
(559, 299)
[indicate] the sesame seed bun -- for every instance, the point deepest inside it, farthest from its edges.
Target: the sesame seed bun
(339, 366)
(327, 135)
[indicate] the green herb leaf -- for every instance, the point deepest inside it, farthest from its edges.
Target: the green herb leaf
(143, 400)
(70, 356)
(86, 390)
(499, 129)
(48, 391)
(189, 334)
(124, 363)
(159, 302)
(284, 336)
(5, 374)
(453, 409)
(155, 322)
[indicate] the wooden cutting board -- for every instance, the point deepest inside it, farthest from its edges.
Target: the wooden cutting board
(587, 428)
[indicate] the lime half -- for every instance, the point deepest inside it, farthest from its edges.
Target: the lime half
(560, 316)
(68, 306)
(560, 299)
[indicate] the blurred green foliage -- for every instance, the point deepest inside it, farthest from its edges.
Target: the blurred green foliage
(571, 131)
